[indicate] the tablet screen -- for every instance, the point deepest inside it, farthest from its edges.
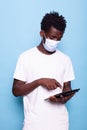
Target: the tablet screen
(67, 93)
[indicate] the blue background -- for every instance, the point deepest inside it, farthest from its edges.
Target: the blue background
(19, 31)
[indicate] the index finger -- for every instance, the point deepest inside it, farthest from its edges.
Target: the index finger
(58, 84)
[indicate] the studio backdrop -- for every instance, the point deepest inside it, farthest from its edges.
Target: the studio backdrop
(19, 31)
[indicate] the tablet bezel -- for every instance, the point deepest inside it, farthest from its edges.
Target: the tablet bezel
(67, 93)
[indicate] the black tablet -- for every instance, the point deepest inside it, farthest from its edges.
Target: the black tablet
(67, 93)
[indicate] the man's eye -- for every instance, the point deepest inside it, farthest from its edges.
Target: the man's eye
(51, 38)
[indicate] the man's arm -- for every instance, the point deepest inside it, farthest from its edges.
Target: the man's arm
(67, 86)
(21, 88)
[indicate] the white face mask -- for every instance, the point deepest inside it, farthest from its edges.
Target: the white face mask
(50, 45)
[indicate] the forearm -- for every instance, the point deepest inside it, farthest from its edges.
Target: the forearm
(67, 86)
(21, 88)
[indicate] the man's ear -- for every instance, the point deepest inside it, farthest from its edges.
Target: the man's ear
(42, 33)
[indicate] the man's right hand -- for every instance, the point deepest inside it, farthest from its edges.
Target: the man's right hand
(49, 83)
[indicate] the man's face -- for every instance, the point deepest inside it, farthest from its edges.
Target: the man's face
(54, 34)
(51, 39)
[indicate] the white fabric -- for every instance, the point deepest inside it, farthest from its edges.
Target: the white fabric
(41, 114)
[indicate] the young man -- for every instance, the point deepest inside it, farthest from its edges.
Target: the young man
(42, 72)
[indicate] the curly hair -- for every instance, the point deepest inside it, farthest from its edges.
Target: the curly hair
(53, 19)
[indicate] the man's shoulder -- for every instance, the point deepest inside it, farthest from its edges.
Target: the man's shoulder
(28, 52)
(62, 54)
(27, 55)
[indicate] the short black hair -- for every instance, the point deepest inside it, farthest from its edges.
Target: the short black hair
(53, 19)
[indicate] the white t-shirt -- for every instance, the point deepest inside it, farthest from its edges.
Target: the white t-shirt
(40, 114)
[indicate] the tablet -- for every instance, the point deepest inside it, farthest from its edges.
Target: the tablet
(67, 93)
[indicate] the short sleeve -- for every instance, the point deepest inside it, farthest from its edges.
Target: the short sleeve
(20, 71)
(69, 72)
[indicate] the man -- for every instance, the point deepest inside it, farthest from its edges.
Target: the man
(42, 72)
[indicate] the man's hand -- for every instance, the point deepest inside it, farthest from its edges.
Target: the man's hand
(49, 83)
(61, 99)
